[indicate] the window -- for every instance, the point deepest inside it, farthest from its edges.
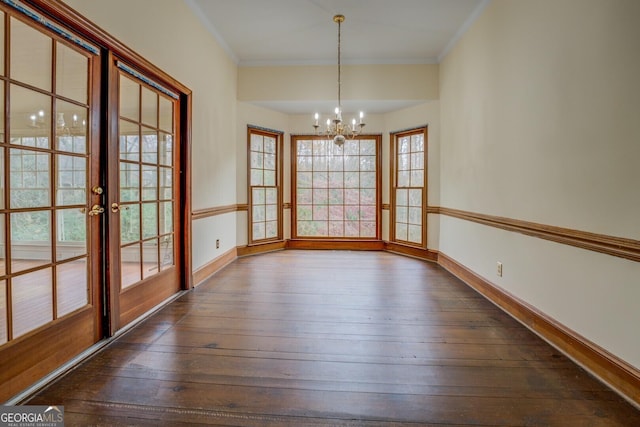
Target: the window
(409, 187)
(337, 190)
(265, 192)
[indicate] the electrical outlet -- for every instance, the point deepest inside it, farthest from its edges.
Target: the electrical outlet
(217, 243)
(499, 270)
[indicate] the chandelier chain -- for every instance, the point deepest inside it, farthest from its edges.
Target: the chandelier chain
(339, 67)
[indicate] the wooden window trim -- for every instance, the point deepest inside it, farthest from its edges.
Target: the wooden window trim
(378, 197)
(393, 139)
(278, 135)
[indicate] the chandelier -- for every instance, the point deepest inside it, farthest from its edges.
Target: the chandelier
(336, 129)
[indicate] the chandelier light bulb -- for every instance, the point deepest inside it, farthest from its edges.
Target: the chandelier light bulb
(41, 114)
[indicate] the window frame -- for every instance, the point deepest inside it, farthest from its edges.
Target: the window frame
(278, 136)
(294, 190)
(394, 137)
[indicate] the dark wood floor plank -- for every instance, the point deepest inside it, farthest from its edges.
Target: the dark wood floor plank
(348, 405)
(140, 415)
(550, 379)
(333, 338)
(352, 344)
(520, 391)
(375, 332)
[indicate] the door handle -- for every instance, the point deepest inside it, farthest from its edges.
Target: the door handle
(96, 210)
(116, 207)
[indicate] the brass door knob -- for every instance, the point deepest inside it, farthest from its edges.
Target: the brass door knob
(96, 210)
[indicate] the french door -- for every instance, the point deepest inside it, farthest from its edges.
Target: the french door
(144, 218)
(50, 233)
(91, 192)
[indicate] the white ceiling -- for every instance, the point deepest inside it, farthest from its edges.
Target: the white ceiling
(298, 32)
(302, 32)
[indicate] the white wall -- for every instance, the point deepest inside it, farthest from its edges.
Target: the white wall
(539, 107)
(168, 34)
(318, 82)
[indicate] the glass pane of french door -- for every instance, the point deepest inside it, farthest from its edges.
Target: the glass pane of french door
(47, 236)
(146, 167)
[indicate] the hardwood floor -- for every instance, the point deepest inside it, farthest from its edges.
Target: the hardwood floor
(333, 338)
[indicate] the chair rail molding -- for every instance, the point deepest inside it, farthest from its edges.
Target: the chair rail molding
(610, 245)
